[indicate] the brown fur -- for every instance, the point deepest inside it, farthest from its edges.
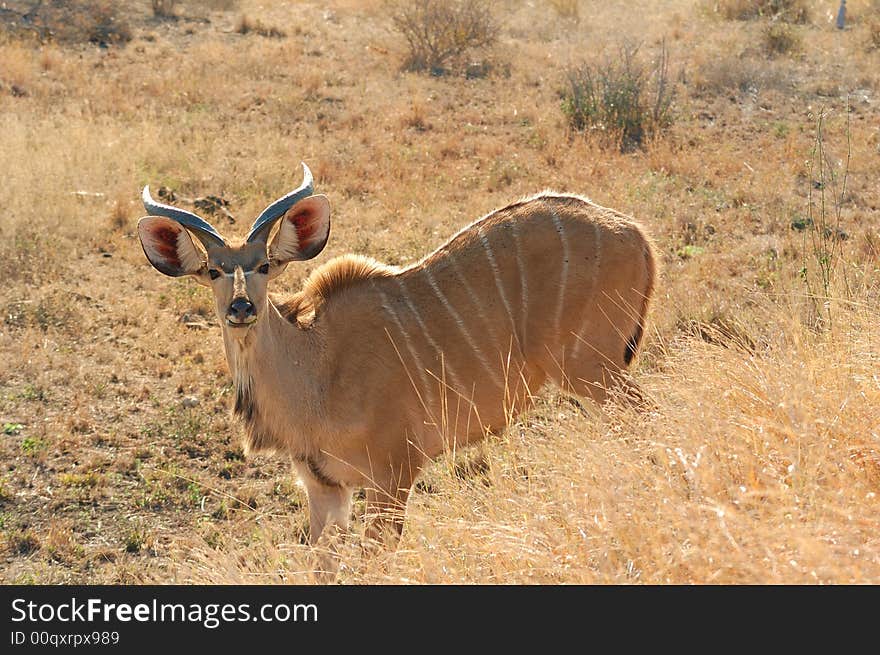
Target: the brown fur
(336, 275)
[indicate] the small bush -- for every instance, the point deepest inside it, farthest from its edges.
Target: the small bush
(135, 539)
(32, 446)
(440, 32)
(780, 39)
(625, 98)
(790, 11)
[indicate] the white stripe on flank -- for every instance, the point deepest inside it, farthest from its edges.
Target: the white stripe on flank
(460, 323)
(475, 299)
(497, 275)
(428, 400)
(524, 287)
(458, 387)
(563, 280)
(594, 280)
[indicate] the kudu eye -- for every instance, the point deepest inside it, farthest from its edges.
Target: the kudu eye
(264, 269)
(214, 273)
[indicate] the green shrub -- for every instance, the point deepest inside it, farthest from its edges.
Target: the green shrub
(626, 99)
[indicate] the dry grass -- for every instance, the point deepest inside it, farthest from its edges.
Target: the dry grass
(760, 461)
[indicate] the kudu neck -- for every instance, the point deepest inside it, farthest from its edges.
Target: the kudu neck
(272, 340)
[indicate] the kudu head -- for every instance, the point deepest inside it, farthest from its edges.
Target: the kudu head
(238, 272)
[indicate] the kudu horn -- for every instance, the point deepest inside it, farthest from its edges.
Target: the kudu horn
(201, 228)
(265, 221)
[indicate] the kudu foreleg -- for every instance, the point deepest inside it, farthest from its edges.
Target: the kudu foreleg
(385, 512)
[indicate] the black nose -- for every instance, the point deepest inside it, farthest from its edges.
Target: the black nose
(241, 309)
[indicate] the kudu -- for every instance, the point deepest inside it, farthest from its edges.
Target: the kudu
(370, 371)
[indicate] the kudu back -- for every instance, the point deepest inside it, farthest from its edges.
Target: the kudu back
(370, 371)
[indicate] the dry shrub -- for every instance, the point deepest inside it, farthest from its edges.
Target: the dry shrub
(780, 39)
(417, 118)
(791, 11)
(439, 33)
(625, 98)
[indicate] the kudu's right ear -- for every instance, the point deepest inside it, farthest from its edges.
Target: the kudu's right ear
(170, 249)
(302, 232)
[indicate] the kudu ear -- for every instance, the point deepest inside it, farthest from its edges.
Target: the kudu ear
(302, 231)
(170, 248)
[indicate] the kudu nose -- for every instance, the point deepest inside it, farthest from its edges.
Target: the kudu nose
(241, 310)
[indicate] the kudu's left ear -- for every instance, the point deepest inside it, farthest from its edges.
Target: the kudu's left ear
(302, 231)
(169, 247)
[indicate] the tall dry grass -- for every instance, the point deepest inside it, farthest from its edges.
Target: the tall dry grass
(753, 468)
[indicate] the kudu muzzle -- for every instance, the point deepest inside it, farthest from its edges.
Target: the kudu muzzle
(241, 310)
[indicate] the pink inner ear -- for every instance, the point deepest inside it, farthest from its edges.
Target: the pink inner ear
(306, 226)
(164, 243)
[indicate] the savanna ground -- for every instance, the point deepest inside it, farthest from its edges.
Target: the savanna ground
(760, 459)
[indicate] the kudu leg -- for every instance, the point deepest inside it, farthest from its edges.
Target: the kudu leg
(329, 510)
(385, 511)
